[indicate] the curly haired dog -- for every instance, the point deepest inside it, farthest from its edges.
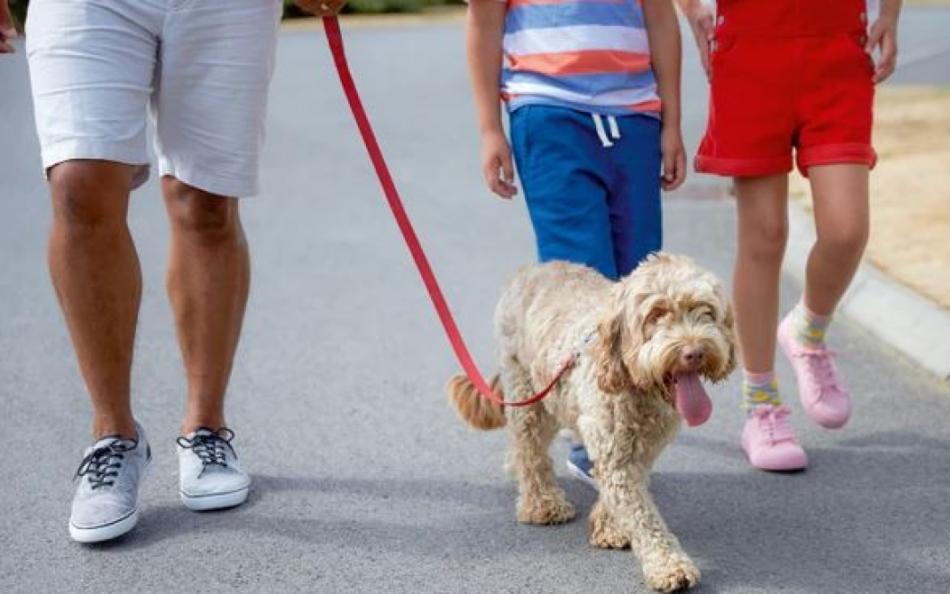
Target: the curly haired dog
(651, 337)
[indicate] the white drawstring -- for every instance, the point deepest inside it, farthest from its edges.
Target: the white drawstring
(601, 133)
(614, 128)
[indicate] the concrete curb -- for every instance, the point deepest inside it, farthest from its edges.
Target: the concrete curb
(907, 321)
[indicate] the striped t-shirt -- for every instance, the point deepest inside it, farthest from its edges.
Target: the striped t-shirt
(591, 55)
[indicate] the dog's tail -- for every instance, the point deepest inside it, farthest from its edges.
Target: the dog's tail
(475, 410)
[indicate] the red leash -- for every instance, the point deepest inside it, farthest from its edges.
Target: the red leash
(332, 28)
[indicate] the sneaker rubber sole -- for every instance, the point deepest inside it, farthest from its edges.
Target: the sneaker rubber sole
(105, 532)
(215, 500)
(780, 466)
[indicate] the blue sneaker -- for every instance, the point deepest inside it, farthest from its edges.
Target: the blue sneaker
(579, 465)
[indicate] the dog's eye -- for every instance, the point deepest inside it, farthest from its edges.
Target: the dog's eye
(706, 313)
(655, 315)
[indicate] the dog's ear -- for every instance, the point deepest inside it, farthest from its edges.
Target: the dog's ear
(621, 335)
(611, 373)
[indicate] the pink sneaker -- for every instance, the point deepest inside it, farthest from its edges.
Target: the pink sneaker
(822, 396)
(770, 442)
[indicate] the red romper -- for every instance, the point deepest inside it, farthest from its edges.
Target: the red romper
(788, 74)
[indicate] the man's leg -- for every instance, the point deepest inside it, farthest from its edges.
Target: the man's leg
(98, 281)
(97, 278)
(91, 72)
(211, 58)
(208, 280)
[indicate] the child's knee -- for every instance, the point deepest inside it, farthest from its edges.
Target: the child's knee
(766, 239)
(844, 241)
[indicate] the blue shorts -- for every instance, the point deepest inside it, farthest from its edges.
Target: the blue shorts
(590, 203)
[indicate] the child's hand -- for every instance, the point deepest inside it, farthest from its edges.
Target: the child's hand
(883, 34)
(701, 18)
(674, 159)
(496, 165)
(7, 30)
(321, 8)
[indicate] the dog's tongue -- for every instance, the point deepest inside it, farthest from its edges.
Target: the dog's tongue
(691, 400)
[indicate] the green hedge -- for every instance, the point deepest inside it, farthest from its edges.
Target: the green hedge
(354, 6)
(19, 10)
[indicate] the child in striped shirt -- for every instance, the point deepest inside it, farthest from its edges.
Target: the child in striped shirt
(592, 89)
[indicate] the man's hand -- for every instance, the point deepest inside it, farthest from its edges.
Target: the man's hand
(674, 158)
(702, 21)
(321, 8)
(883, 35)
(7, 29)
(497, 168)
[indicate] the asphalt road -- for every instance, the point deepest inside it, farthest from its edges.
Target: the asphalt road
(364, 479)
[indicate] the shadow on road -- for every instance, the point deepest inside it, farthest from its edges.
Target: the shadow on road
(876, 505)
(873, 509)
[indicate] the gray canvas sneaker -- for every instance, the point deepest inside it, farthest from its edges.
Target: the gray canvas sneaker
(106, 502)
(210, 475)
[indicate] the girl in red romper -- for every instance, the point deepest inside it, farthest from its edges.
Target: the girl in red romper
(792, 84)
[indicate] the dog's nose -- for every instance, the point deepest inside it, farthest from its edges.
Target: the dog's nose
(692, 357)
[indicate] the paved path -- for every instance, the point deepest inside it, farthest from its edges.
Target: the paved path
(364, 480)
(925, 47)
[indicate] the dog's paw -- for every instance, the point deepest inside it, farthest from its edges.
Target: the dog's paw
(545, 511)
(679, 574)
(603, 532)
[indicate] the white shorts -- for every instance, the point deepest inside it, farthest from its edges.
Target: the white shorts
(200, 67)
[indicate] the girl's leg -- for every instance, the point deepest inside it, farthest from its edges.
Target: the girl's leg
(840, 194)
(767, 437)
(762, 233)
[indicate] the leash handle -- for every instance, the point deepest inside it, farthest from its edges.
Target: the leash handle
(331, 25)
